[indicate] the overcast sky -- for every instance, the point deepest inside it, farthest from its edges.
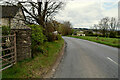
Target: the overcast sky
(85, 13)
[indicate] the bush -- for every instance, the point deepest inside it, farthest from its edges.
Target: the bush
(41, 48)
(37, 37)
(96, 35)
(37, 34)
(58, 37)
(112, 34)
(88, 33)
(74, 33)
(5, 30)
(51, 37)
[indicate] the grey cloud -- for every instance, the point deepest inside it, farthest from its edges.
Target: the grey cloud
(84, 14)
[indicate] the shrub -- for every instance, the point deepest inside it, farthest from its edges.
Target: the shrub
(37, 34)
(41, 48)
(58, 37)
(88, 33)
(96, 35)
(51, 37)
(112, 34)
(5, 30)
(74, 33)
(37, 37)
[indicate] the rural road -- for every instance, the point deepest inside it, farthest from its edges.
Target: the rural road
(86, 59)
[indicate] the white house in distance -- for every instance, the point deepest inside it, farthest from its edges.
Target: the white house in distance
(55, 32)
(80, 33)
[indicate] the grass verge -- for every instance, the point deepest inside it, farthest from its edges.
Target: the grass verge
(114, 42)
(38, 66)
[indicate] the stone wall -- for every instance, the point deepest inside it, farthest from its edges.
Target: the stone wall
(23, 43)
(17, 21)
(4, 21)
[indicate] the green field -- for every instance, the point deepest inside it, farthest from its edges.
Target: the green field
(38, 66)
(108, 41)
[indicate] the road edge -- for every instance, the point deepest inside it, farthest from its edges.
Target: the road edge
(97, 42)
(53, 68)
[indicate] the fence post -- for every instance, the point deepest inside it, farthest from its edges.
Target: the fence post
(15, 47)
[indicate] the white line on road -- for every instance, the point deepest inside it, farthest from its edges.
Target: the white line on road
(112, 60)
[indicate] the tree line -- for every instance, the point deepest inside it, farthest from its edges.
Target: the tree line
(109, 27)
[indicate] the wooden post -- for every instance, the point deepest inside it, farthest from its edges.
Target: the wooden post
(15, 47)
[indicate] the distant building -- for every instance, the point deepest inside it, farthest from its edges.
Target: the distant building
(80, 33)
(55, 32)
(12, 16)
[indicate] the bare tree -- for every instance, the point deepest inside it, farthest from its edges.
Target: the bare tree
(118, 24)
(67, 28)
(108, 26)
(38, 12)
(95, 27)
(113, 24)
(104, 26)
(113, 27)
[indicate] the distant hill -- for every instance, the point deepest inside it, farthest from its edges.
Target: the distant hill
(81, 28)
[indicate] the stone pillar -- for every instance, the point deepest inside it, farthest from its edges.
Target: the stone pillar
(23, 43)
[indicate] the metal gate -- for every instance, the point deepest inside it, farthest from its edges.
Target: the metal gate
(7, 51)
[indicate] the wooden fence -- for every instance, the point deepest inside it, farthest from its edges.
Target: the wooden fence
(7, 51)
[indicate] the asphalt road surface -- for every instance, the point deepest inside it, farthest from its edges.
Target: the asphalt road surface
(86, 59)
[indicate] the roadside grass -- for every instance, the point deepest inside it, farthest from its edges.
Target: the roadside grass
(38, 66)
(114, 42)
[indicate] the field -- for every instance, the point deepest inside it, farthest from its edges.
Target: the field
(103, 40)
(38, 66)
